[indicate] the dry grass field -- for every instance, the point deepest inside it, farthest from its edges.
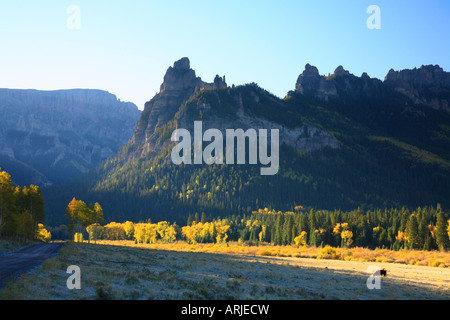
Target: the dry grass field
(411, 257)
(122, 270)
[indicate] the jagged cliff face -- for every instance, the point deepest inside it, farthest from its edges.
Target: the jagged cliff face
(311, 81)
(63, 133)
(341, 81)
(428, 85)
(180, 84)
(301, 136)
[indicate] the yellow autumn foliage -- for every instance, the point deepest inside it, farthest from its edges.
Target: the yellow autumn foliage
(301, 239)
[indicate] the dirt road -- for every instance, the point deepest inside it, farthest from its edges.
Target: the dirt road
(13, 264)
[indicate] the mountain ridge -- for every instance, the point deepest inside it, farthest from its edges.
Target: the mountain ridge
(355, 141)
(62, 133)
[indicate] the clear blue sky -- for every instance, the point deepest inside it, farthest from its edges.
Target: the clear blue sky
(125, 47)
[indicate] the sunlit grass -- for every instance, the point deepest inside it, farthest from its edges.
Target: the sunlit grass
(123, 270)
(411, 257)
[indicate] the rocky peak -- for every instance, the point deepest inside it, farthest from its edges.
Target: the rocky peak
(429, 85)
(340, 71)
(180, 83)
(182, 64)
(310, 71)
(311, 82)
(180, 77)
(219, 83)
(430, 74)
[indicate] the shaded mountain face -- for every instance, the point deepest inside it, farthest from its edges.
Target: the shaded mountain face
(333, 86)
(428, 85)
(346, 141)
(58, 135)
(185, 98)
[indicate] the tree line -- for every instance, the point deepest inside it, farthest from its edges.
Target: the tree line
(426, 228)
(21, 211)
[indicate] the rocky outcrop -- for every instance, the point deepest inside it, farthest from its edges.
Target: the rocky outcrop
(310, 81)
(305, 137)
(180, 83)
(180, 78)
(63, 133)
(429, 85)
(341, 82)
(219, 82)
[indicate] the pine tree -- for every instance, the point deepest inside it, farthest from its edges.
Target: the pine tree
(278, 238)
(196, 219)
(189, 220)
(412, 232)
(287, 230)
(312, 229)
(442, 239)
(423, 233)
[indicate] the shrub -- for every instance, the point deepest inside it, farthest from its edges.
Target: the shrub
(328, 252)
(266, 253)
(104, 292)
(78, 237)
(437, 263)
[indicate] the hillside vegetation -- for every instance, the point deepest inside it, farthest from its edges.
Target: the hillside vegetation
(388, 157)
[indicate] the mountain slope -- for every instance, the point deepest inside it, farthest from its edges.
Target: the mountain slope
(61, 134)
(346, 141)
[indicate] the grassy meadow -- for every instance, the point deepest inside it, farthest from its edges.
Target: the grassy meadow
(122, 270)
